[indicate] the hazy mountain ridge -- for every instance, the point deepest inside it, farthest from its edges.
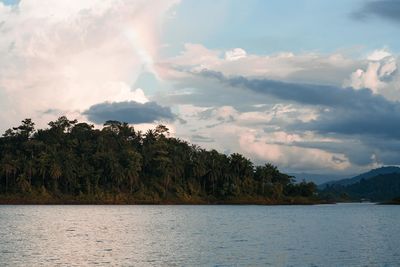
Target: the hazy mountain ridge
(366, 175)
(317, 178)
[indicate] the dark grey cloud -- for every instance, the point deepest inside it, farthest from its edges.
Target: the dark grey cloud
(129, 111)
(309, 94)
(345, 110)
(379, 120)
(387, 9)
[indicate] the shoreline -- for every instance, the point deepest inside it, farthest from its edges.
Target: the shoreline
(394, 203)
(197, 202)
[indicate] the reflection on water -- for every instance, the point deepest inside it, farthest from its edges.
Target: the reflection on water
(326, 235)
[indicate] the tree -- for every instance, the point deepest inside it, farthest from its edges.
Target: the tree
(133, 168)
(25, 130)
(62, 124)
(9, 168)
(75, 159)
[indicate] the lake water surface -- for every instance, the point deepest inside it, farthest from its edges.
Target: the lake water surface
(321, 235)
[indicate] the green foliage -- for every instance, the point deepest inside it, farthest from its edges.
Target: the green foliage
(382, 187)
(116, 164)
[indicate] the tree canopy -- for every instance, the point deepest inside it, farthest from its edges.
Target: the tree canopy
(117, 164)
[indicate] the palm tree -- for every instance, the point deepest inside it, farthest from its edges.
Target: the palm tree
(75, 158)
(55, 173)
(133, 169)
(43, 163)
(8, 167)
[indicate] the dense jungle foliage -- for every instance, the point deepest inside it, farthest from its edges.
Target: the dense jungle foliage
(72, 162)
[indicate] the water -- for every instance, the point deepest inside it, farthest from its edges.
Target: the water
(322, 235)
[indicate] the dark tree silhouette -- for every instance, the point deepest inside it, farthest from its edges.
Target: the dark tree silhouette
(72, 161)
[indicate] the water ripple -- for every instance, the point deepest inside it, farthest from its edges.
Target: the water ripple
(330, 235)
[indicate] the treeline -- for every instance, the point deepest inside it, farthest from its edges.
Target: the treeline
(73, 161)
(382, 187)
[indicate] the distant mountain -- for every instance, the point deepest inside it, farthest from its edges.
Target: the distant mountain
(366, 175)
(383, 187)
(317, 178)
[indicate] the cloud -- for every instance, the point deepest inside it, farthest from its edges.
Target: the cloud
(321, 78)
(70, 55)
(201, 139)
(245, 132)
(310, 94)
(376, 71)
(330, 69)
(235, 54)
(378, 120)
(360, 151)
(300, 111)
(344, 110)
(288, 156)
(386, 9)
(381, 70)
(369, 121)
(129, 111)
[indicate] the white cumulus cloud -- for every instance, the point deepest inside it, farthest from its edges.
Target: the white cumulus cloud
(235, 54)
(376, 75)
(69, 55)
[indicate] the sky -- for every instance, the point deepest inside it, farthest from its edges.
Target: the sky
(310, 86)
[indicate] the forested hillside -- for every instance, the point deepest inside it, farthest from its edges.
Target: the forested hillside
(72, 162)
(382, 187)
(365, 176)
